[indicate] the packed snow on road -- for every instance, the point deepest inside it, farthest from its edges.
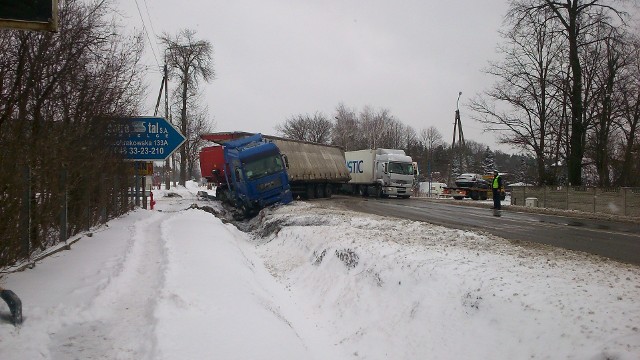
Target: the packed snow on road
(311, 281)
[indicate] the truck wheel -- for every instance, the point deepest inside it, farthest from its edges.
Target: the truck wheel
(458, 197)
(475, 195)
(483, 195)
(310, 191)
(245, 211)
(222, 194)
(328, 191)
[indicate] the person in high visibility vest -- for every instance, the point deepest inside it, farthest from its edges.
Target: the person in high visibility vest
(496, 185)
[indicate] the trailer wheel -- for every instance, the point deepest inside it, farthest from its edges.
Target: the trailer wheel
(320, 191)
(483, 195)
(475, 195)
(458, 197)
(328, 191)
(310, 191)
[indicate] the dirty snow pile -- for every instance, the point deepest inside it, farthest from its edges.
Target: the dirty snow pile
(309, 281)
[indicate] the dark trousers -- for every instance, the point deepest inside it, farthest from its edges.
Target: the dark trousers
(496, 199)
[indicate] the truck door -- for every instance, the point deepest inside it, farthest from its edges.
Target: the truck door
(239, 183)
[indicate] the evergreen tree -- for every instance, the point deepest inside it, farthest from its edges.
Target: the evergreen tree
(488, 165)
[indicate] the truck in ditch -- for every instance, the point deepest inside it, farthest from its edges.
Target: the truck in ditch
(380, 173)
(249, 173)
(311, 170)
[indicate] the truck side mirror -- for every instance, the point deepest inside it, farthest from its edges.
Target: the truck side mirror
(285, 160)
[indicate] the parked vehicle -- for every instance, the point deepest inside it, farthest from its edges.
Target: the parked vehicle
(310, 170)
(315, 170)
(473, 186)
(380, 173)
(436, 189)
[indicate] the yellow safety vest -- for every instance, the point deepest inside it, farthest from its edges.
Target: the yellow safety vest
(496, 184)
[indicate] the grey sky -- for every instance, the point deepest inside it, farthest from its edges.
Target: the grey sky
(278, 58)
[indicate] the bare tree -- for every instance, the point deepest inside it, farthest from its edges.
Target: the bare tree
(70, 86)
(629, 120)
(321, 128)
(602, 71)
(576, 18)
(190, 60)
(345, 128)
(431, 138)
(528, 100)
(315, 128)
(199, 123)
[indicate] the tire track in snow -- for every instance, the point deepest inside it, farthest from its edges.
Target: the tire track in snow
(119, 324)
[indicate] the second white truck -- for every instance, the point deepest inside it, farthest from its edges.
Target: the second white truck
(380, 173)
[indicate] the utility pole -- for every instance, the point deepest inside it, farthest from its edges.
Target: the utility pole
(167, 185)
(457, 130)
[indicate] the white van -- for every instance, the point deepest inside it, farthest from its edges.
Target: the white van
(436, 188)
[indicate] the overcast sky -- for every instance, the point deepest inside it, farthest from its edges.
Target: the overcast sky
(278, 58)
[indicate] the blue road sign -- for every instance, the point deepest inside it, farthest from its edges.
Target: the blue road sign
(145, 138)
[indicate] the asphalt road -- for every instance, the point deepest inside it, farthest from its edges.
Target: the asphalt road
(612, 239)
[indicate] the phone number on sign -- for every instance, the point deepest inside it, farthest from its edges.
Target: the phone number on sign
(126, 150)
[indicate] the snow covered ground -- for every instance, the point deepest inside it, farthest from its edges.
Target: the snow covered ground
(307, 281)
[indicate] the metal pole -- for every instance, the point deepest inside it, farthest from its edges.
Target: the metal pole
(144, 192)
(136, 167)
(453, 141)
(63, 211)
(167, 184)
(429, 171)
(26, 213)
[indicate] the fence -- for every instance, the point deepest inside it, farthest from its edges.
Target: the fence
(614, 201)
(34, 219)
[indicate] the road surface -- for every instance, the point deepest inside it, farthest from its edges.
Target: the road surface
(613, 239)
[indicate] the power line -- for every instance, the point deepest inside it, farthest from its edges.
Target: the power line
(147, 33)
(149, 17)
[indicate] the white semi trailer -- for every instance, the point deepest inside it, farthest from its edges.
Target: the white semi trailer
(380, 173)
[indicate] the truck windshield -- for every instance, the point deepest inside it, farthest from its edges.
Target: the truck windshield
(263, 167)
(401, 168)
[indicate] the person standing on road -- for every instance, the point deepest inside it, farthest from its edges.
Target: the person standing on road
(496, 185)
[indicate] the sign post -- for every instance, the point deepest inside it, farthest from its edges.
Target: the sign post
(143, 140)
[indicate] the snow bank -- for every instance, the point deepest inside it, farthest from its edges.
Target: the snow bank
(313, 282)
(406, 290)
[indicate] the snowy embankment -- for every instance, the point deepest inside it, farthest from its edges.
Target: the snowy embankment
(311, 282)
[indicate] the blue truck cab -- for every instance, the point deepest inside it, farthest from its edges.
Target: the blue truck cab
(256, 174)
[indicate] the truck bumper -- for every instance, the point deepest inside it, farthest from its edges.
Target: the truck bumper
(283, 197)
(397, 191)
